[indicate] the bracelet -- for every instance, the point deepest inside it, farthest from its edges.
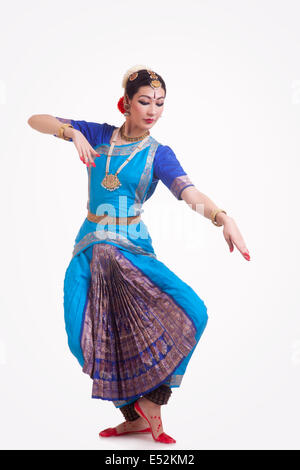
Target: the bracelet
(60, 133)
(213, 216)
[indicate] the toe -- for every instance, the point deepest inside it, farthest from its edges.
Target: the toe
(108, 432)
(163, 437)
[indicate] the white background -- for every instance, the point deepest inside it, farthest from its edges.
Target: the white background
(232, 116)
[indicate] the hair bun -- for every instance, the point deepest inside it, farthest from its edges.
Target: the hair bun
(133, 69)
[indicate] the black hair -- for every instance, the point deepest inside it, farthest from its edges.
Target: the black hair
(143, 79)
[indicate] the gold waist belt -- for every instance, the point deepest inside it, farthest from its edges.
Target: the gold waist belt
(107, 219)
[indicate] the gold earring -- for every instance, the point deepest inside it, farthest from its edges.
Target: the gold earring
(127, 107)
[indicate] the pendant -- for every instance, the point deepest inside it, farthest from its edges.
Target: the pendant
(111, 182)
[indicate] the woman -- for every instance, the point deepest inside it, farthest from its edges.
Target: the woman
(131, 322)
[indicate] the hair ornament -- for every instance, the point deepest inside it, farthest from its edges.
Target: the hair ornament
(131, 71)
(155, 83)
(133, 76)
(121, 105)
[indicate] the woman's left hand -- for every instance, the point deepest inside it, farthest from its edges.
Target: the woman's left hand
(233, 237)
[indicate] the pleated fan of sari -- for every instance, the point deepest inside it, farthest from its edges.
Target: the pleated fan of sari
(134, 335)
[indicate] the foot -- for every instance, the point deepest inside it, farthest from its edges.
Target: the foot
(152, 414)
(138, 425)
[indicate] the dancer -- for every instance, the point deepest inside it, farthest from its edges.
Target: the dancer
(131, 322)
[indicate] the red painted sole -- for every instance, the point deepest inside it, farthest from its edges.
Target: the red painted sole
(109, 432)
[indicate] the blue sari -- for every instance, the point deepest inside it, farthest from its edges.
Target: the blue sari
(131, 322)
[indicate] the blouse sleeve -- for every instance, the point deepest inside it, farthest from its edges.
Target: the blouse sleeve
(168, 169)
(92, 131)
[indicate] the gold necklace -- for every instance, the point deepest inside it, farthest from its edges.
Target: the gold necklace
(132, 139)
(111, 181)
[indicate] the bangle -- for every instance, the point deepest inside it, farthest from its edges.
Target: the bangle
(213, 216)
(60, 132)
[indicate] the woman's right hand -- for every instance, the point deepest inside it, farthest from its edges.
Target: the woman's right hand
(85, 150)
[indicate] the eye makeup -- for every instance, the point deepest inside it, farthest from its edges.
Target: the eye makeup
(143, 102)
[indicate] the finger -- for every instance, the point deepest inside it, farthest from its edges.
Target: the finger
(91, 160)
(244, 251)
(90, 151)
(86, 158)
(229, 243)
(246, 254)
(95, 153)
(83, 159)
(240, 246)
(81, 154)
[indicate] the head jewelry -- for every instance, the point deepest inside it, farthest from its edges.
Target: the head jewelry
(131, 75)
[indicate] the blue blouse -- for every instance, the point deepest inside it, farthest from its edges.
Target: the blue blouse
(166, 166)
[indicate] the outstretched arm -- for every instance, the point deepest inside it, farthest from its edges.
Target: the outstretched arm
(201, 203)
(50, 125)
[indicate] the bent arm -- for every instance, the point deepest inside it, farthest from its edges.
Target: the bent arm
(201, 203)
(48, 124)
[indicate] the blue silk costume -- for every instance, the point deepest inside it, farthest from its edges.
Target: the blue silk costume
(131, 322)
